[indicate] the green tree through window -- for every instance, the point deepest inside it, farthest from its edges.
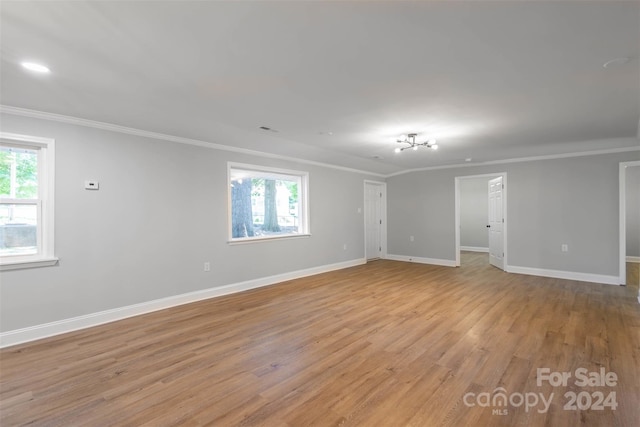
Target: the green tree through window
(18, 173)
(19, 209)
(267, 203)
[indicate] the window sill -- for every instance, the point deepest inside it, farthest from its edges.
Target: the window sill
(266, 239)
(23, 264)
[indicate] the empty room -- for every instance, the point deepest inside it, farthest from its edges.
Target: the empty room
(327, 213)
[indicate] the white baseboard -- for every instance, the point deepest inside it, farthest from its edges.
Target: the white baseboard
(569, 275)
(474, 249)
(633, 259)
(46, 330)
(420, 260)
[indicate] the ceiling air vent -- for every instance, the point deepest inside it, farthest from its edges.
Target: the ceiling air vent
(268, 129)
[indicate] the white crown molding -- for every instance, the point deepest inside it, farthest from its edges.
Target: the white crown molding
(16, 111)
(521, 159)
(47, 330)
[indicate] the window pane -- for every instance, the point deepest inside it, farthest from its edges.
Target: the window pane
(265, 204)
(18, 173)
(18, 229)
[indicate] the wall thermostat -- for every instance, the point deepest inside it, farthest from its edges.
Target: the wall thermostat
(91, 185)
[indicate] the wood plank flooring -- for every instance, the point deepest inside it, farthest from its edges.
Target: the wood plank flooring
(383, 344)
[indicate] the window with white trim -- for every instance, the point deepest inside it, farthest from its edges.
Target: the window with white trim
(26, 201)
(267, 203)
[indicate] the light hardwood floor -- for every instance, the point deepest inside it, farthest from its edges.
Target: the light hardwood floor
(383, 344)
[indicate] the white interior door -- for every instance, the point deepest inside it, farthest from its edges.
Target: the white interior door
(373, 220)
(496, 223)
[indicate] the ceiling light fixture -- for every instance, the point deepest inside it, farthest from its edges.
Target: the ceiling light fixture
(38, 68)
(410, 140)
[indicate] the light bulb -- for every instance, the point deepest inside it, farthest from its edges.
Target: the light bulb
(397, 150)
(434, 146)
(415, 148)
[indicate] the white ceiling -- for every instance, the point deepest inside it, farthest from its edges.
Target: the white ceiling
(490, 80)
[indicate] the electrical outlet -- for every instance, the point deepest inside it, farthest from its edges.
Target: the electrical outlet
(565, 247)
(207, 266)
(344, 247)
(411, 239)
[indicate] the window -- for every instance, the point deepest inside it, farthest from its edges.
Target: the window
(267, 203)
(26, 201)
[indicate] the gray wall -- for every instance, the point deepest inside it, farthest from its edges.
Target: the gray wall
(474, 212)
(633, 211)
(160, 213)
(549, 202)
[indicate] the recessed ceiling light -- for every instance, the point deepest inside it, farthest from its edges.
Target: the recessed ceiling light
(468, 159)
(616, 62)
(33, 66)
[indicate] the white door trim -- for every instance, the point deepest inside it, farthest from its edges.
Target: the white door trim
(623, 221)
(504, 211)
(383, 213)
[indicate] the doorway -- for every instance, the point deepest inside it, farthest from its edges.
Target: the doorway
(375, 222)
(481, 219)
(629, 245)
